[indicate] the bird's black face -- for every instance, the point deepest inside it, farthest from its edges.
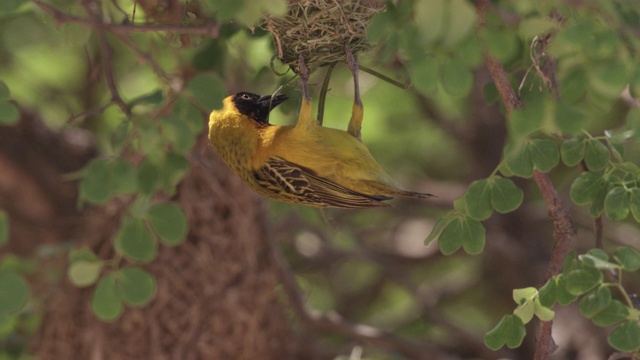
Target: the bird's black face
(257, 107)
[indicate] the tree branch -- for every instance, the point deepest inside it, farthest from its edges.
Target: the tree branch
(563, 229)
(210, 29)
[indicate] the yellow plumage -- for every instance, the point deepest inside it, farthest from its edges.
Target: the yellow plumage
(303, 163)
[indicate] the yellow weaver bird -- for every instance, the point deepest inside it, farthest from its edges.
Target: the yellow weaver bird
(303, 163)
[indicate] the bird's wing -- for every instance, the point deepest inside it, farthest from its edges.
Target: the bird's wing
(294, 183)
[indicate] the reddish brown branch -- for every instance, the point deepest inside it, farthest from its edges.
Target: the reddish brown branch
(563, 229)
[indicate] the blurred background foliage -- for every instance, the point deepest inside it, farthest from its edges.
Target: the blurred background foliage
(133, 94)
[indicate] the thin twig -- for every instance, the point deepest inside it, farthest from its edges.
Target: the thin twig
(106, 52)
(210, 29)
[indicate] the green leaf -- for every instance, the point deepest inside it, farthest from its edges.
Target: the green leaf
(8, 6)
(634, 203)
(547, 293)
(474, 240)
(169, 222)
(573, 89)
(94, 186)
(208, 90)
(518, 160)
(9, 113)
(123, 177)
(625, 337)
(570, 262)
(525, 311)
(528, 28)
(569, 120)
(611, 315)
(609, 78)
(424, 74)
(505, 195)
(585, 187)
(572, 151)
(456, 78)
(437, 228)
(5, 93)
(616, 204)
(478, 200)
(179, 134)
(148, 177)
(580, 281)
(4, 227)
(154, 98)
(510, 331)
(462, 231)
(597, 263)
(595, 301)
(544, 154)
(520, 296)
(14, 292)
(628, 258)
(462, 17)
(84, 273)
(563, 296)
(542, 312)
(106, 302)
(173, 168)
(137, 285)
(526, 120)
(503, 44)
(450, 239)
(597, 207)
(134, 241)
(596, 155)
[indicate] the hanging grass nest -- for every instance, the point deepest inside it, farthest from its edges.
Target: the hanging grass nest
(320, 29)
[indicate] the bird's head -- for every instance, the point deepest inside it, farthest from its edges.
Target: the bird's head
(255, 106)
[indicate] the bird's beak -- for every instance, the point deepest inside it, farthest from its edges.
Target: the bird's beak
(271, 102)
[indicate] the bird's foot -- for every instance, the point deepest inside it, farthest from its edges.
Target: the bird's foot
(352, 60)
(303, 73)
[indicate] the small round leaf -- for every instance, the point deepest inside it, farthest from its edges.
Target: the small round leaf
(84, 273)
(596, 155)
(616, 204)
(106, 302)
(169, 222)
(626, 337)
(544, 154)
(13, 292)
(572, 151)
(505, 195)
(585, 188)
(134, 241)
(478, 200)
(137, 285)
(628, 258)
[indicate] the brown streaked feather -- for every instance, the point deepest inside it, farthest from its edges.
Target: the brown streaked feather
(293, 183)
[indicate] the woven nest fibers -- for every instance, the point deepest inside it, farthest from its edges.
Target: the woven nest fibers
(319, 30)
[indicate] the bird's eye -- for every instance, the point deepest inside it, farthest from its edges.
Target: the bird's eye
(246, 97)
